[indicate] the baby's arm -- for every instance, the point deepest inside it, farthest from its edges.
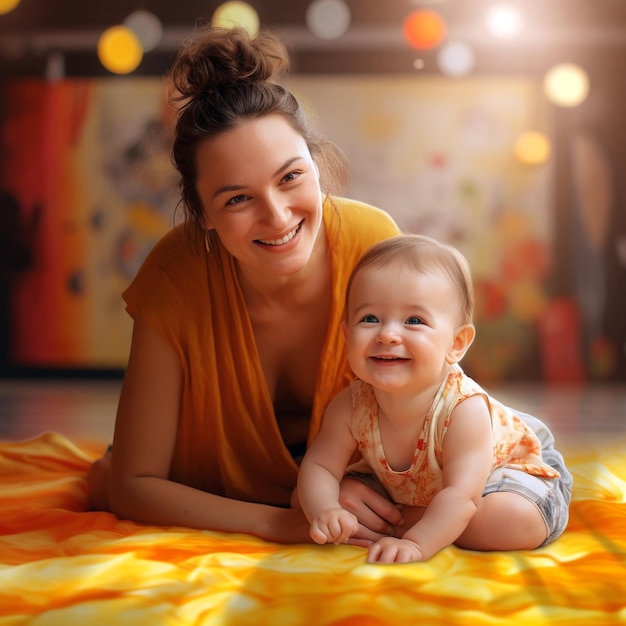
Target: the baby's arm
(467, 460)
(321, 472)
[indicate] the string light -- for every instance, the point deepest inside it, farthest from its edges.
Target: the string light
(504, 21)
(455, 59)
(532, 148)
(6, 6)
(328, 19)
(147, 27)
(119, 50)
(424, 29)
(566, 85)
(231, 14)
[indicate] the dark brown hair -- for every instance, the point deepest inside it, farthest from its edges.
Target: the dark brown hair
(223, 77)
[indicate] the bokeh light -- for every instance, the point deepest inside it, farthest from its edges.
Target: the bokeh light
(455, 59)
(6, 6)
(532, 148)
(119, 50)
(328, 19)
(424, 29)
(504, 21)
(566, 85)
(147, 27)
(232, 14)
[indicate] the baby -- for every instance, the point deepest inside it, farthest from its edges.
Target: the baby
(464, 468)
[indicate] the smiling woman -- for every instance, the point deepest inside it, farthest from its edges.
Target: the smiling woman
(271, 202)
(237, 345)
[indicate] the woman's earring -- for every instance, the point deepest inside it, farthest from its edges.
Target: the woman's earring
(206, 241)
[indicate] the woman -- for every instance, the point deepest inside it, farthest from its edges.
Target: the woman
(237, 345)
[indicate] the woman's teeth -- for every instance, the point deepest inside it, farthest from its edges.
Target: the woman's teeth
(283, 240)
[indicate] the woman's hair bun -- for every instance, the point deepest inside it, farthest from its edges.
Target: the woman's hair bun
(218, 58)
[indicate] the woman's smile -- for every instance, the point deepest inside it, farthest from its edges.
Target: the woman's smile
(283, 240)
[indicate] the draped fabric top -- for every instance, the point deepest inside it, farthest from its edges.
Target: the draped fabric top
(515, 445)
(228, 440)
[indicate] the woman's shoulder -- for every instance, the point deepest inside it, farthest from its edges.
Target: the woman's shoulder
(358, 225)
(174, 242)
(362, 213)
(175, 252)
(172, 263)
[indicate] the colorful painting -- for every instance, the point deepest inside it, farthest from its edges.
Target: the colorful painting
(88, 163)
(89, 158)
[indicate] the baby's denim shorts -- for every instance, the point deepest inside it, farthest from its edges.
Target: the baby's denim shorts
(551, 496)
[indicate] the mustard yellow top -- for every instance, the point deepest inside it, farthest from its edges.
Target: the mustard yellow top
(228, 440)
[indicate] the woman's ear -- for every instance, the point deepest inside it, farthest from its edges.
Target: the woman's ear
(463, 338)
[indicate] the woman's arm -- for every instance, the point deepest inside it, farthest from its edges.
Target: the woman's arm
(145, 434)
(467, 460)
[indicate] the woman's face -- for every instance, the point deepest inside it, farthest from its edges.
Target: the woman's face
(260, 191)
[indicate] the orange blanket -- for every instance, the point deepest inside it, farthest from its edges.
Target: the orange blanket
(62, 565)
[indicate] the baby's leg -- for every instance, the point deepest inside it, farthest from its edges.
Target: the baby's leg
(504, 521)
(518, 511)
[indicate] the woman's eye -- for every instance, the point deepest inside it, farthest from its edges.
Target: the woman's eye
(414, 320)
(369, 319)
(237, 199)
(287, 178)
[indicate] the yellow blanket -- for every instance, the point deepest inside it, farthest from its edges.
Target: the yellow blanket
(60, 564)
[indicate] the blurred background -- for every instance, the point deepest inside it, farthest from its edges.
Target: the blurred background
(495, 126)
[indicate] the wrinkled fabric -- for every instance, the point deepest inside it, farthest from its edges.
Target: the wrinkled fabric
(63, 565)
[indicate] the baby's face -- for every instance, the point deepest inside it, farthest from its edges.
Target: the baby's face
(400, 325)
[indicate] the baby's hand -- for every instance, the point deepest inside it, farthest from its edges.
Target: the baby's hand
(334, 526)
(392, 550)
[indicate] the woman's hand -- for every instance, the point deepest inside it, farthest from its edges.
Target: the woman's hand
(378, 517)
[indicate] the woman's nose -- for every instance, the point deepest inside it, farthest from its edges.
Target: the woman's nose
(276, 211)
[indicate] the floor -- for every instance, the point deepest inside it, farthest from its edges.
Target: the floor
(81, 410)
(85, 410)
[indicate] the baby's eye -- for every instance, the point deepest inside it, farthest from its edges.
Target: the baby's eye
(369, 319)
(414, 320)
